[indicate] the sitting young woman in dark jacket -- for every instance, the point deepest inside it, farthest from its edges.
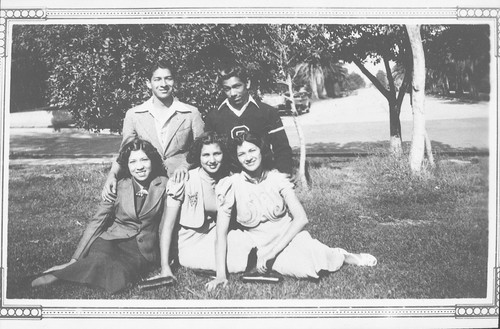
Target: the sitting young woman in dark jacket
(121, 242)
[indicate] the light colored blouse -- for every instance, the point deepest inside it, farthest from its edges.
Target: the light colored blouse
(255, 201)
(196, 196)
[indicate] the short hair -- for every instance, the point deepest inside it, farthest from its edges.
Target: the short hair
(260, 142)
(230, 71)
(150, 151)
(208, 138)
(161, 64)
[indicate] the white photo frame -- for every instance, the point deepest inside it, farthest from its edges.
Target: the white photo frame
(482, 312)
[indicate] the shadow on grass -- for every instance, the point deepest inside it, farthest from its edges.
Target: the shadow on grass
(462, 100)
(66, 142)
(378, 147)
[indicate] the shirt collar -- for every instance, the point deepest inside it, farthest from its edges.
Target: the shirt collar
(243, 108)
(177, 106)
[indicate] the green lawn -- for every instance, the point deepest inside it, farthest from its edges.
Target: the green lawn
(430, 234)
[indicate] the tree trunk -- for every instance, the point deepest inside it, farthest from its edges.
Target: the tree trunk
(395, 128)
(394, 111)
(446, 85)
(418, 144)
(302, 155)
(394, 105)
(428, 148)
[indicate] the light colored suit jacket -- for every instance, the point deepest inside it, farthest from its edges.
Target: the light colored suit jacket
(186, 125)
(118, 220)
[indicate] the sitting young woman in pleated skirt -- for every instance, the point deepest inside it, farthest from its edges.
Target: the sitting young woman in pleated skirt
(121, 243)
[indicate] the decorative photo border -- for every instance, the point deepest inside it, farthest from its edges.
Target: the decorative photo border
(366, 309)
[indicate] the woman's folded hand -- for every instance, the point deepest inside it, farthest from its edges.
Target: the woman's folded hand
(212, 285)
(264, 255)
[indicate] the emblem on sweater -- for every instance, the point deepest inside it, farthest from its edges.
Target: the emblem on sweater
(239, 130)
(193, 199)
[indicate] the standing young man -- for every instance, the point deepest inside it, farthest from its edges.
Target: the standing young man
(241, 113)
(165, 122)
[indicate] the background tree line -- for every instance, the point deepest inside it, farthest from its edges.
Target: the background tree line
(97, 72)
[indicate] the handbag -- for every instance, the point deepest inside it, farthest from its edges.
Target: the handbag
(156, 283)
(252, 275)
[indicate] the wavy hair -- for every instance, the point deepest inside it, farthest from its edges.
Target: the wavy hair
(140, 144)
(229, 71)
(161, 64)
(260, 142)
(208, 138)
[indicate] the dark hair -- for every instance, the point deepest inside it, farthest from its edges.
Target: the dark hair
(151, 152)
(208, 138)
(261, 143)
(229, 71)
(161, 64)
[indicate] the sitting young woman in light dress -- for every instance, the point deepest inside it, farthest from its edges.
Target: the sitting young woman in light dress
(266, 205)
(120, 243)
(196, 200)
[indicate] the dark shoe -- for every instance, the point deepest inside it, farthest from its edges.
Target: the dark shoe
(205, 273)
(156, 283)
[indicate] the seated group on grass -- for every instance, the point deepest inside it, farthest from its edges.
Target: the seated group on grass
(232, 203)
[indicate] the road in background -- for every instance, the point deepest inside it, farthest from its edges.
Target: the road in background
(361, 121)
(357, 122)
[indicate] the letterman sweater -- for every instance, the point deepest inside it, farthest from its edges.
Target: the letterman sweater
(258, 118)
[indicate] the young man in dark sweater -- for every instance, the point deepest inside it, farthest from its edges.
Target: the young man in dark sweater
(240, 112)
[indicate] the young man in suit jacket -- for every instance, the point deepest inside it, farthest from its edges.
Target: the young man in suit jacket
(165, 122)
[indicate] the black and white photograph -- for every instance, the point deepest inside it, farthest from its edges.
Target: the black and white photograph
(290, 165)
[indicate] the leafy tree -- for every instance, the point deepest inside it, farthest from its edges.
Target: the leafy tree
(457, 59)
(353, 82)
(362, 44)
(29, 72)
(382, 77)
(300, 55)
(325, 76)
(98, 72)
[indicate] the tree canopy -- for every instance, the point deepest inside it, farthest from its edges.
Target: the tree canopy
(98, 71)
(458, 59)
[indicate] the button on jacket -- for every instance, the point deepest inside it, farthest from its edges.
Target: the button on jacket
(119, 220)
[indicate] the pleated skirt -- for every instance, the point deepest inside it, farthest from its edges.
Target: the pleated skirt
(110, 264)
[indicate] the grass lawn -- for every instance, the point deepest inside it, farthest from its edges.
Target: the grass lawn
(430, 234)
